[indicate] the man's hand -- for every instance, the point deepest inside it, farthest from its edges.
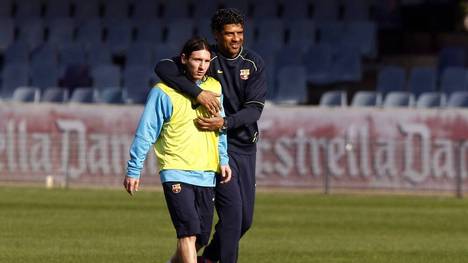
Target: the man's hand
(210, 101)
(131, 184)
(225, 174)
(209, 124)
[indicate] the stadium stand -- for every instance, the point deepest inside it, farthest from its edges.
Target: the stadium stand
(398, 99)
(57, 8)
(13, 76)
(458, 99)
(431, 100)
(453, 79)
(366, 99)
(7, 32)
(422, 79)
(291, 90)
(105, 76)
(83, 95)
(391, 78)
(54, 95)
(111, 95)
(334, 98)
(6, 8)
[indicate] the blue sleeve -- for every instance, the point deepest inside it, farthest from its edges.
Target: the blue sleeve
(222, 142)
(158, 109)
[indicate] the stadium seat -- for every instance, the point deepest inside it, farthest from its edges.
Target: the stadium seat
(119, 35)
(431, 100)
(291, 90)
(298, 9)
(99, 54)
(422, 79)
(205, 8)
(318, 62)
(241, 5)
(453, 79)
(44, 75)
(325, 10)
(451, 57)
(150, 31)
(265, 9)
(145, 9)
(26, 94)
(301, 33)
(366, 99)
(288, 56)
(55, 95)
(458, 99)
(346, 65)
(6, 8)
(82, 95)
(31, 32)
(331, 32)
(71, 53)
(165, 51)
(57, 8)
(140, 54)
(175, 10)
(44, 54)
(89, 32)
(335, 98)
(87, 9)
(111, 95)
(137, 81)
(17, 52)
(266, 34)
(105, 76)
(13, 76)
(178, 31)
(398, 99)
(203, 29)
(61, 30)
(356, 10)
(362, 35)
(391, 78)
(28, 8)
(117, 8)
(7, 33)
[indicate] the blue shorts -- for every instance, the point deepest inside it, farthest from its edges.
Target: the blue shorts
(191, 208)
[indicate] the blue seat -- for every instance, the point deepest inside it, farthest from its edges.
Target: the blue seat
(266, 34)
(119, 35)
(298, 9)
(331, 32)
(458, 99)
(145, 9)
(165, 50)
(17, 52)
(44, 54)
(31, 32)
(291, 90)
(431, 100)
(140, 54)
(99, 54)
(391, 78)
(334, 98)
(346, 65)
(105, 76)
(55, 95)
(57, 8)
(83, 95)
(451, 57)
(422, 79)
(356, 10)
(241, 5)
(398, 99)
(28, 8)
(26, 94)
(205, 8)
(362, 35)
(89, 32)
(150, 31)
(268, 53)
(265, 9)
(44, 75)
(6, 8)
(366, 99)
(453, 79)
(138, 81)
(13, 76)
(318, 62)
(72, 53)
(203, 29)
(178, 31)
(87, 9)
(61, 30)
(111, 95)
(301, 33)
(325, 10)
(175, 10)
(7, 33)
(117, 8)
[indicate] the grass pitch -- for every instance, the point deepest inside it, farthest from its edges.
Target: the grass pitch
(38, 225)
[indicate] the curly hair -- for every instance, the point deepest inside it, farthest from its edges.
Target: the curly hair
(226, 16)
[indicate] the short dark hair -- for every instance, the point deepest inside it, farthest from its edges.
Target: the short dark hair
(194, 44)
(226, 16)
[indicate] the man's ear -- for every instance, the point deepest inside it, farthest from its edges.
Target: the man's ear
(183, 59)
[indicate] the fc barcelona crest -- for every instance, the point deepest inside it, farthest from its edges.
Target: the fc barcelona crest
(176, 188)
(244, 73)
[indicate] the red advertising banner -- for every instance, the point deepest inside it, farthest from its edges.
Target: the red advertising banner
(313, 147)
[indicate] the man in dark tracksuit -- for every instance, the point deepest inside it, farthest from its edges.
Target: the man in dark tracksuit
(243, 79)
